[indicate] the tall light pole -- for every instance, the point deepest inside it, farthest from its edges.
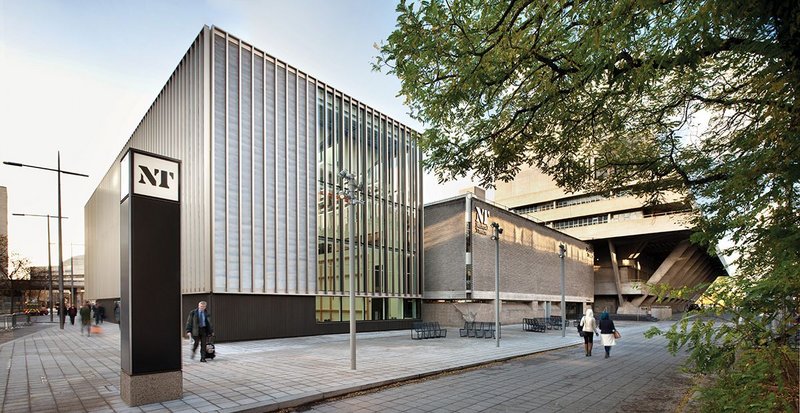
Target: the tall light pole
(349, 192)
(49, 260)
(60, 238)
(562, 252)
(496, 237)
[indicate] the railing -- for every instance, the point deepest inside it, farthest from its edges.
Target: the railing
(12, 321)
(664, 213)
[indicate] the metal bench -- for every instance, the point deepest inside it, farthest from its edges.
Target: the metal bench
(488, 330)
(555, 322)
(477, 329)
(532, 324)
(420, 330)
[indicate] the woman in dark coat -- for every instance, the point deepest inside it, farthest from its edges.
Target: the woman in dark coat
(72, 312)
(607, 332)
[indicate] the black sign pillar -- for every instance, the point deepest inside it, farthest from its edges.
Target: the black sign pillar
(150, 284)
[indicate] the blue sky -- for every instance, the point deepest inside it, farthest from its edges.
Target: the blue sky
(77, 76)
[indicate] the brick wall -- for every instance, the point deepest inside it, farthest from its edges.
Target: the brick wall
(529, 261)
(453, 314)
(444, 248)
(530, 268)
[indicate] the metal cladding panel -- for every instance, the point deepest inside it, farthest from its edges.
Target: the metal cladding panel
(311, 192)
(278, 124)
(176, 126)
(102, 237)
(281, 225)
(257, 231)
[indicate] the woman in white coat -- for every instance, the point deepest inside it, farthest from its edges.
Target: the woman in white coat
(588, 325)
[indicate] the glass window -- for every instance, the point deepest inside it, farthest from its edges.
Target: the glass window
(394, 310)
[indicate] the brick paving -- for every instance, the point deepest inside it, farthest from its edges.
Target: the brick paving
(53, 370)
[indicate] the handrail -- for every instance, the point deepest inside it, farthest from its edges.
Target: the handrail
(12, 321)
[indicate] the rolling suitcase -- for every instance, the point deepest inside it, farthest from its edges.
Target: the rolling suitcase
(211, 351)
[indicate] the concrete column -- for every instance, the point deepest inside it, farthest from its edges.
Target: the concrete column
(613, 252)
(663, 269)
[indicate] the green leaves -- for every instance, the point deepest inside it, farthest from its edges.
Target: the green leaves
(695, 97)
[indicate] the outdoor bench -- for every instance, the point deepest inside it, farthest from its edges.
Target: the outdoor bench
(555, 322)
(533, 324)
(477, 329)
(420, 330)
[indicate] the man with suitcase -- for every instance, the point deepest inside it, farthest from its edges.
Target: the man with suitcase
(198, 326)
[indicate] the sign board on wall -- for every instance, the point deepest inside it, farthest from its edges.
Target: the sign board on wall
(481, 221)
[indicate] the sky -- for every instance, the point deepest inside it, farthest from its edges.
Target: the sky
(76, 77)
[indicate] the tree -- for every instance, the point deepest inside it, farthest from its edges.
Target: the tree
(693, 97)
(13, 270)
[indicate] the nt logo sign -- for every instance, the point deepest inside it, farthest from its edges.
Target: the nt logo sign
(151, 177)
(481, 221)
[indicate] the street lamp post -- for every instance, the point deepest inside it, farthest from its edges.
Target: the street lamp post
(562, 252)
(349, 191)
(60, 238)
(496, 237)
(49, 260)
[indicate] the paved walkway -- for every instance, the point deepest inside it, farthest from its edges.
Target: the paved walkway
(55, 370)
(640, 376)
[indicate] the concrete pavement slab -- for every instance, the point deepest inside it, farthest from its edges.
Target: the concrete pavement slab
(67, 371)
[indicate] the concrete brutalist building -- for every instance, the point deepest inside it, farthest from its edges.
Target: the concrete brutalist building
(634, 243)
(459, 259)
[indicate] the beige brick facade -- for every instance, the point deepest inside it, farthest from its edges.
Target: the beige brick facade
(530, 267)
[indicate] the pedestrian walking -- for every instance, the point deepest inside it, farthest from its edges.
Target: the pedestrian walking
(116, 314)
(72, 312)
(100, 314)
(589, 326)
(86, 318)
(198, 326)
(607, 330)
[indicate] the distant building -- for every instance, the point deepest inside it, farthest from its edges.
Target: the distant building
(5, 298)
(633, 244)
(40, 282)
(74, 279)
(4, 227)
(460, 265)
(264, 232)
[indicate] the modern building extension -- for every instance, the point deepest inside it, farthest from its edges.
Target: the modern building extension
(633, 244)
(263, 226)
